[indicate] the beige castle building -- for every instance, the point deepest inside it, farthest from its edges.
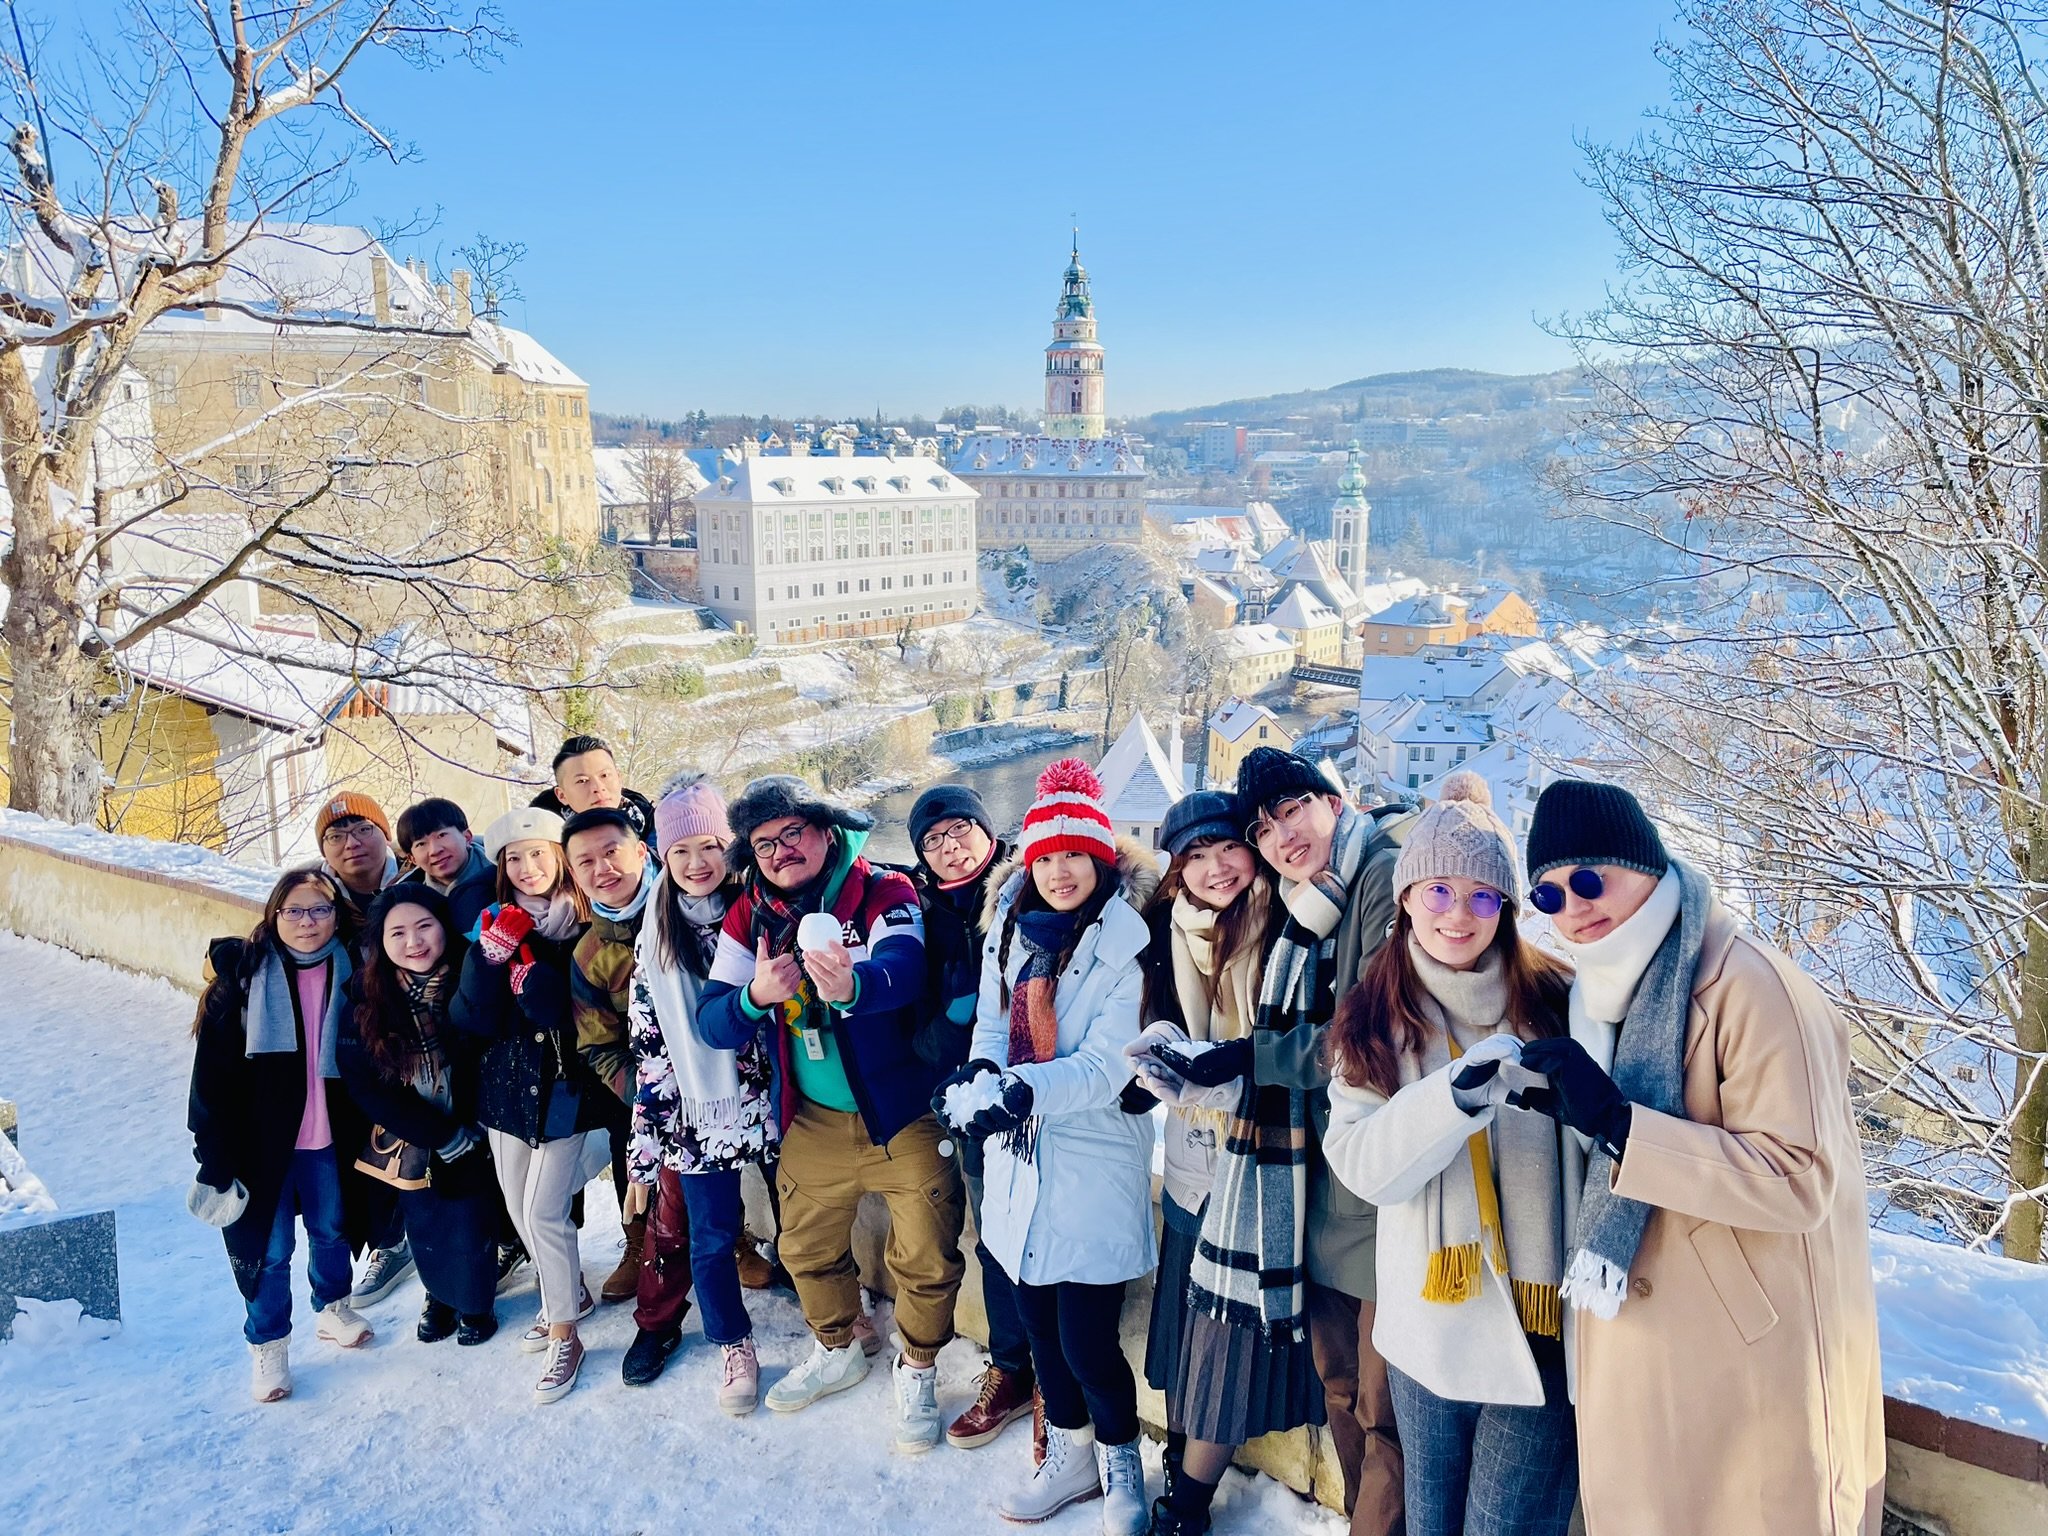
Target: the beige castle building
(333, 356)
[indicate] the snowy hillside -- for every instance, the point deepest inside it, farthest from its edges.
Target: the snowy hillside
(152, 1429)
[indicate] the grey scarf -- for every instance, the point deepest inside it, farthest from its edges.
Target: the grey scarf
(1649, 1069)
(270, 1024)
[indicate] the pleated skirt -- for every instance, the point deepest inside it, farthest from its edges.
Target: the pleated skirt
(1222, 1383)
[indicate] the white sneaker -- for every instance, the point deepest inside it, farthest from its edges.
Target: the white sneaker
(827, 1371)
(270, 1371)
(917, 1407)
(739, 1379)
(1124, 1512)
(342, 1324)
(1066, 1476)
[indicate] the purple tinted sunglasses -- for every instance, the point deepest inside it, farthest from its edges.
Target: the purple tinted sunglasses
(1484, 901)
(1547, 896)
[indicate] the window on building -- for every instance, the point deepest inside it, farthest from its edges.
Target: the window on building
(248, 385)
(715, 597)
(1429, 754)
(842, 593)
(864, 587)
(547, 485)
(888, 582)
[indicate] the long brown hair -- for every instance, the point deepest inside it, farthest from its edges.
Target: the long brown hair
(264, 936)
(507, 891)
(1234, 923)
(1383, 1017)
(384, 1017)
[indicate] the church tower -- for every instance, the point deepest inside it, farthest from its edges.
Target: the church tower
(1350, 523)
(1073, 363)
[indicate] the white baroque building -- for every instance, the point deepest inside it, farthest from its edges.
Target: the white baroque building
(795, 548)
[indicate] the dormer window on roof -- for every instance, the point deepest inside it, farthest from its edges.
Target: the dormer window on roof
(901, 483)
(836, 484)
(783, 484)
(866, 483)
(938, 482)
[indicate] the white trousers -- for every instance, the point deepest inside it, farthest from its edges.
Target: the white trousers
(539, 1184)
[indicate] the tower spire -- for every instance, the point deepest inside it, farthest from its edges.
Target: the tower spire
(1073, 363)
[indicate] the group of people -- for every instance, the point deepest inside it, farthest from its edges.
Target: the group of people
(1520, 1226)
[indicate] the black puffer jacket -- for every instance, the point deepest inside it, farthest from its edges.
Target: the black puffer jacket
(398, 1106)
(952, 956)
(528, 1041)
(244, 1113)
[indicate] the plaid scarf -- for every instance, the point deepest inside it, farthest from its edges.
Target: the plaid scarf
(1248, 1268)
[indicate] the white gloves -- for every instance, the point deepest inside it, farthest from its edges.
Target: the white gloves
(1504, 1049)
(1168, 1086)
(217, 1207)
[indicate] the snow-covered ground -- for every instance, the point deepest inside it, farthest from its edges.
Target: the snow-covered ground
(1964, 1333)
(153, 1429)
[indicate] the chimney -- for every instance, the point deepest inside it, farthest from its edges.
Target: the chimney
(463, 312)
(380, 290)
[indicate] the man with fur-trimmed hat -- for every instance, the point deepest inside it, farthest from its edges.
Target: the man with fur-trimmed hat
(842, 1007)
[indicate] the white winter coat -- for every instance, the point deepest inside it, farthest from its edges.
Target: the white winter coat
(1081, 1209)
(1387, 1151)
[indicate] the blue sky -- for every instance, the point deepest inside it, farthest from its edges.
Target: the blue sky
(812, 207)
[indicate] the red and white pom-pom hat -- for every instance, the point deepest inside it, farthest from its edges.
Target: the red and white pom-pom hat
(1067, 816)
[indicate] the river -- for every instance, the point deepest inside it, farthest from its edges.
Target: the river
(1007, 788)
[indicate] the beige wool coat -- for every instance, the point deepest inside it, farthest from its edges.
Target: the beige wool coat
(1737, 1392)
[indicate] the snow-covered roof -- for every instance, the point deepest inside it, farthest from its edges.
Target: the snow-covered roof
(1416, 721)
(1431, 676)
(618, 482)
(1302, 610)
(1310, 566)
(1020, 454)
(1237, 717)
(1432, 610)
(1245, 640)
(1217, 590)
(1138, 783)
(772, 479)
(521, 356)
(1375, 596)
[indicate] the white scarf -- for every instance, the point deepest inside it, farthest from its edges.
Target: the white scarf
(707, 1078)
(1609, 969)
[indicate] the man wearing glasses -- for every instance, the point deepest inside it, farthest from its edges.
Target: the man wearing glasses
(355, 848)
(1718, 1253)
(843, 1008)
(1335, 869)
(957, 849)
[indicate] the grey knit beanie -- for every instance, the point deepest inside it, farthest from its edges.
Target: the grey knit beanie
(1460, 837)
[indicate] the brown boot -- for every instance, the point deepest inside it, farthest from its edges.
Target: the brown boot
(1037, 1429)
(1004, 1398)
(756, 1273)
(623, 1283)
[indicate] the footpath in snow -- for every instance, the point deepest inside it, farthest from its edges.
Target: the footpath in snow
(152, 1429)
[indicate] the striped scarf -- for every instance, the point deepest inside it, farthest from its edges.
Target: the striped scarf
(1248, 1267)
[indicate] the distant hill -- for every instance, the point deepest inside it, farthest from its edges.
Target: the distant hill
(1425, 392)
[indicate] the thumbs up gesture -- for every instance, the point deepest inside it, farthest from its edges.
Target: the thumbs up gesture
(776, 977)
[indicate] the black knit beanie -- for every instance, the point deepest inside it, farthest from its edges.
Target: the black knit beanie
(946, 802)
(1268, 774)
(1580, 822)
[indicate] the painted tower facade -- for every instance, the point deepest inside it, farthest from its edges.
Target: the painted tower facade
(1350, 523)
(1073, 363)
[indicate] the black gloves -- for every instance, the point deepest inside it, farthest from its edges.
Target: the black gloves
(966, 1074)
(1580, 1095)
(1136, 1099)
(1206, 1069)
(1012, 1112)
(1476, 1075)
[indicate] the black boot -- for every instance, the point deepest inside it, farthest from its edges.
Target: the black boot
(476, 1328)
(647, 1357)
(511, 1259)
(437, 1321)
(1165, 1522)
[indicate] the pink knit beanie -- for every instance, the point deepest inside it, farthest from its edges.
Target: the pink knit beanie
(690, 807)
(1067, 816)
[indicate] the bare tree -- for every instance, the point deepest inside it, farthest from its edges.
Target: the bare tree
(1825, 381)
(663, 474)
(208, 129)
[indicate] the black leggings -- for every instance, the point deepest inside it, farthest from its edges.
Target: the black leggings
(1078, 1354)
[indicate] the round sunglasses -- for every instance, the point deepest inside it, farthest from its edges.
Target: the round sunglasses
(1547, 896)
(1484, 901)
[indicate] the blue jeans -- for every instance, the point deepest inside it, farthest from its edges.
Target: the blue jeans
(311, 1192)
(716, 1214)
(1484, 1469)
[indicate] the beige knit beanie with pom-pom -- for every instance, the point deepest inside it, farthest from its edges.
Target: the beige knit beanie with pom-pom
(1460, 836)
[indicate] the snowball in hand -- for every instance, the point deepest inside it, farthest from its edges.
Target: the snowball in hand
(817, 930)
(966, 1100)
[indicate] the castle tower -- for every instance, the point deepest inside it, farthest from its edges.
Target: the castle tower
(1073, 363)
(1350, 523)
